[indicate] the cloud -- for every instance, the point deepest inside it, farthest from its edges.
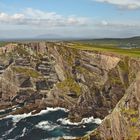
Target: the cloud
(5, 18)
(124, 4)
(33, 22)
(36, 17)
(118, 24)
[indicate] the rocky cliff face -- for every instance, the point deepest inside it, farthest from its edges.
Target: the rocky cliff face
(88, 83)
(124, 122)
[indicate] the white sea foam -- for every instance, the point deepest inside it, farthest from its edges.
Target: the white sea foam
(57, 108)
(98, 121)
(2, 110)
(58, 138)
(89, 132)
(41, 112)
(51, 109)
(66, 121)
(91, 120)
(12, 108)
(69, 137)
(9, 131)
(23, 132)
(45, 125)
(17, 118)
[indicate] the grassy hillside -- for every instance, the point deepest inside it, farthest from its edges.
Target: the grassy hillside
(133, 42)
(105, 45)
(2, 44)
(114, 49)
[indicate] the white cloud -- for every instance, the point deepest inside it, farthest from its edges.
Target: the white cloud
(118, 24)
(104, 23)
(15, 18)
(126, 4)
(32, 22)
(40, 18)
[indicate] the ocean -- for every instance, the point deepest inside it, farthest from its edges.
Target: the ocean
(49, 124)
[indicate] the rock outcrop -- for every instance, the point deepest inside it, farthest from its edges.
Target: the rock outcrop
(88, 83)
(124, 122)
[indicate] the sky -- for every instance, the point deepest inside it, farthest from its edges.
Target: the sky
(69, 18)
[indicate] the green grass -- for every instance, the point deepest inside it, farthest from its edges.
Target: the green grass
(69, 85)
(26, 71)
(108, 49)
(3, 44)
(22, 51)
(133, 42)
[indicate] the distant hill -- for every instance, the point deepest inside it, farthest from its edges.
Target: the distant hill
(48, 36)
(133, 42)
(57, 37)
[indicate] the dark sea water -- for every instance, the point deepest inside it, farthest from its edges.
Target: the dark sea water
(49, 124)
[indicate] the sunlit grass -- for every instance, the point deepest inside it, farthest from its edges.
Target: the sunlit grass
(134, 52)
(3, 44)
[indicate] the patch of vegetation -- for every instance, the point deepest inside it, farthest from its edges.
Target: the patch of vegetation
(69, 85)
(134, 120)
(82, 69)
(2, 44)
(132, 116)
(134, 133)
(68, 55)
(95, 135)
(124, 65)
(28, 72)
(88, 75)
(133, 42)
(130, 112)
(108, 123)
(114, 78)
(22, 52)
(124, 69)
(132, 77)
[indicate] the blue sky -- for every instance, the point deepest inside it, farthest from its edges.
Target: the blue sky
(69, 18)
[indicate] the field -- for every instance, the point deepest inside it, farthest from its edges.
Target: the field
(114, 49)
(133, 42)
(2, 43)
(125, 46)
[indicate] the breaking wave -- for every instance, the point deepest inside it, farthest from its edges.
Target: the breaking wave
(48, 124)
(66, 121)
(45, 125)
(50, 109)
(17, 118)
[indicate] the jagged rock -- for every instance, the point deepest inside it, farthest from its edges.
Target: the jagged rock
(26, 83)
(2, 69)
(22, 62)
(123, 122)
(42, 85)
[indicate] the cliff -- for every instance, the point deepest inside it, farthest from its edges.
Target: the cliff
(124, 122)
(87, 82)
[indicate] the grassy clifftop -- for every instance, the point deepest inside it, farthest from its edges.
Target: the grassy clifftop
(102, 47)
(132, 52)
(2, 44)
